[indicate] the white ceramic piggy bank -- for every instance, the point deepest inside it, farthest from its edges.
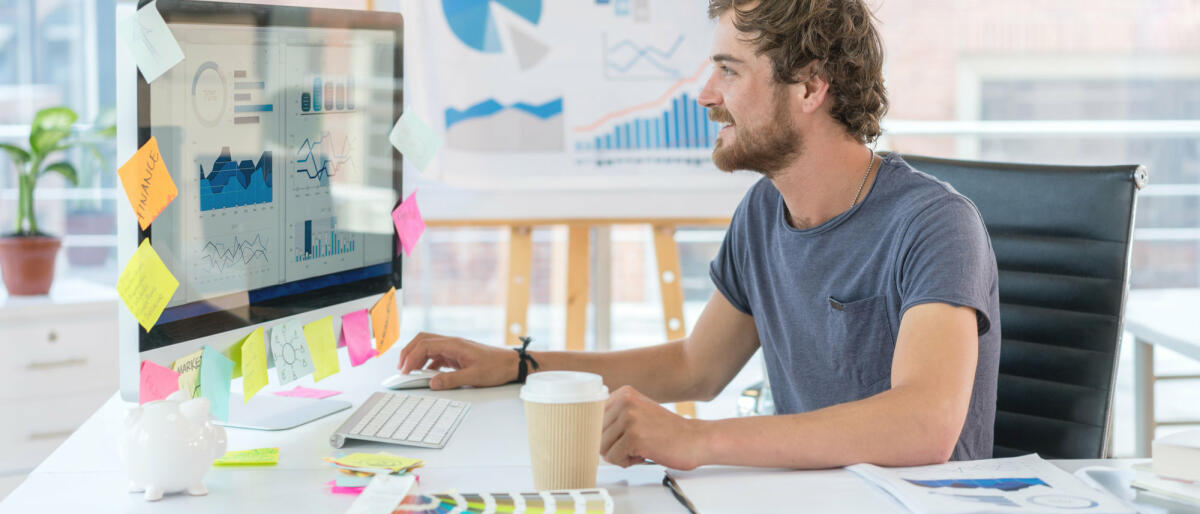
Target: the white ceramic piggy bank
(169, 445)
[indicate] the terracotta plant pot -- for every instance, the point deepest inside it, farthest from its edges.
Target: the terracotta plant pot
(28, 263)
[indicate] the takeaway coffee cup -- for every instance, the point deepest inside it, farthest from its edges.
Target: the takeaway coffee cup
(564, 411)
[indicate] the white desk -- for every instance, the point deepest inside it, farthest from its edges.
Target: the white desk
(488, 453)
(1169, 318)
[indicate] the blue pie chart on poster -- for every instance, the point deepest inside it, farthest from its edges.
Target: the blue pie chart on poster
(474, 21)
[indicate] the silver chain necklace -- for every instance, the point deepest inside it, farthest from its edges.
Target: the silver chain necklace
(870, 164)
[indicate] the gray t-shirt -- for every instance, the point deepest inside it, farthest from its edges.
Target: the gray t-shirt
(827, 301)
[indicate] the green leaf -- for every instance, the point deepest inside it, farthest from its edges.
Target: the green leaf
(18, 155)
(43, 142)
(64, 169)
(54, 119)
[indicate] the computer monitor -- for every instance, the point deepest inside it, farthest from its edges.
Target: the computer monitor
(274, 128)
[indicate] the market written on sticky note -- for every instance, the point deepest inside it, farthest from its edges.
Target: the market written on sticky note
(409, 224)
(146, 285)
(157, 382)
(255, 457)
(216, 371)
(188, 368)
(356, 332)
(146, 35)
(323, 347)
(147, 183)
(385, 322)
(416, 141)
(254, 363)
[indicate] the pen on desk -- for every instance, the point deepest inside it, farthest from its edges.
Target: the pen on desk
(671, 484)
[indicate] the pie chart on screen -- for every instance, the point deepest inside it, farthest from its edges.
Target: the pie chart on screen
(477, 25)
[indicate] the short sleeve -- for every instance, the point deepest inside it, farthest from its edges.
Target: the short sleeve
(725, 267)
(947, 257)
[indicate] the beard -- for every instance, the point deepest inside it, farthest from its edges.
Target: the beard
(767, 149)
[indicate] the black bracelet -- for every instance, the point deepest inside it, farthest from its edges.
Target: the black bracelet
(526, 359)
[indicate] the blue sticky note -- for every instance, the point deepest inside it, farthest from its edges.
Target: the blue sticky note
(216, 371)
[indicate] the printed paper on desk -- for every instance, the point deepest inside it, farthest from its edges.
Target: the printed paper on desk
(382, 495)
(255, 457)
(147, 183)
(292, 358)
(409, 224)
(146, 35)
(385, 321)
(356, 331)
(156, 382)
(146, 285)
(304, 392)
(216, 371)
(416, 141)
(254, 363)
(188, 368)
(323, 347)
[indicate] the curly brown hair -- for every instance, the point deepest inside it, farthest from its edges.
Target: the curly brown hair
(838, 34)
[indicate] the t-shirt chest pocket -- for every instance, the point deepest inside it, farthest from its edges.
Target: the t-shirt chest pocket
(860, 340)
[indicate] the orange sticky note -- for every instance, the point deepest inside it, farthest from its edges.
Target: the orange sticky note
(323, 347)
(385, 322)
(147, 183)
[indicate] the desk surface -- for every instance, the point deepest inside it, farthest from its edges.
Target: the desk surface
(1166, 317)
(488, 453)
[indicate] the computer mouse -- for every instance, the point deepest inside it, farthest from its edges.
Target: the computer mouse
(416, 379)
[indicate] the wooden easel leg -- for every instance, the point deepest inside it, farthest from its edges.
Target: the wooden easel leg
(520, 260)
(667, 253)
(578, 271)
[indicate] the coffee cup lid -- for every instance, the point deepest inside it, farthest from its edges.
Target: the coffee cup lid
(563, 387)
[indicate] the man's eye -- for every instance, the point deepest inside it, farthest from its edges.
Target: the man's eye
(726, 71)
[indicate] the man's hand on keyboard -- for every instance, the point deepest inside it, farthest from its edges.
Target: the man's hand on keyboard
(474, 364)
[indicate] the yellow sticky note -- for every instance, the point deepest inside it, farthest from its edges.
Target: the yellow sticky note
(322, 346)
(146, 285)
(147, 183)
(256, 457)
(385, 322)
(379, 460)
(189, 373)
(254, 364)
(234, 353)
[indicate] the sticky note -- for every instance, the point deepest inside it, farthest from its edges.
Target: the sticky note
(146, 285)
(382, 494)
(385, 321)
(254, 363)
(416, 141)
(304, 392)
(356, 332)
(381, 460)
(147, 183)
(323, 347)
(215, 373)
(292, 358)
(349, 481)
(156, 382)
(147, 37)
(409, 224)
(189, 373)
(344, 489)
(255, 457)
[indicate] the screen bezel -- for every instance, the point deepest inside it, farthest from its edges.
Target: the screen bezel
(263, 16)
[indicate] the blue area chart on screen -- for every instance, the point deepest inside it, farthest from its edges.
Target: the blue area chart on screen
(230, 183)
(474, 23)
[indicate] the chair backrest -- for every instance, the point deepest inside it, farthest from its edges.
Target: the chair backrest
(1062, 237)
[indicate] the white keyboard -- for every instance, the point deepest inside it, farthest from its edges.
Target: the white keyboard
(400, 418)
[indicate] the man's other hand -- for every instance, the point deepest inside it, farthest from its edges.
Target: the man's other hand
(638, 429)
(474, 364)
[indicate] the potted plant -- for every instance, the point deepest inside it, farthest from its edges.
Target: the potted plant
(27, 255)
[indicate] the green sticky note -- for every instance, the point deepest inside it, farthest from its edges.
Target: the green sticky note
(215, 373)
(322, 346)
(234, 353)
(256, 457)
(254, 363)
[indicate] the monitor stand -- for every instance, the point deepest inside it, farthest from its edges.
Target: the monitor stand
(270, 412)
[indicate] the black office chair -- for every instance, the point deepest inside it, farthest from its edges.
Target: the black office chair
(1062, 237)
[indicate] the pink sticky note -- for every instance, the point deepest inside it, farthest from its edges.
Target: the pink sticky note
(333, 487)
(157, 382)
(409, 224)
(356, 331)
(304, 392)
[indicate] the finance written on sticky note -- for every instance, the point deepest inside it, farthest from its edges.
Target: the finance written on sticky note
(323, 347)
(254, 364)
(147, 183)
(416, 141)
(188, 368)
(216, 371)
(146, 285)
(385, 322)
(409, 224)
(146, 35)
(356, 332)
(292, 358)
(255, 457)
(156, 382)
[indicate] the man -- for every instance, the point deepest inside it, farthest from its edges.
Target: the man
(870, 286)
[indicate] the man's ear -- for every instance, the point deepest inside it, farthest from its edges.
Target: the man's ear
(812, 87)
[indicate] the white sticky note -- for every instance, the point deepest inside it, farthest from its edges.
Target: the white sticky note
(382, 495)
(416, 141)
(148, 38)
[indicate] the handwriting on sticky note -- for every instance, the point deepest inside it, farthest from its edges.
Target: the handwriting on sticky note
(146, 35)
(409, 224)
(216, 371)
(146, 285)
(385, 321)
(255, 457)
(323, 347)
(381, 460)
(292, 358)
(156, 382)
(305, 392)
(416, 141)
(147, 183)
(356, 331)
(189, 373)
(254, 364)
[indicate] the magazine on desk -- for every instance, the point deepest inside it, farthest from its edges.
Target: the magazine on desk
(1027, 484)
